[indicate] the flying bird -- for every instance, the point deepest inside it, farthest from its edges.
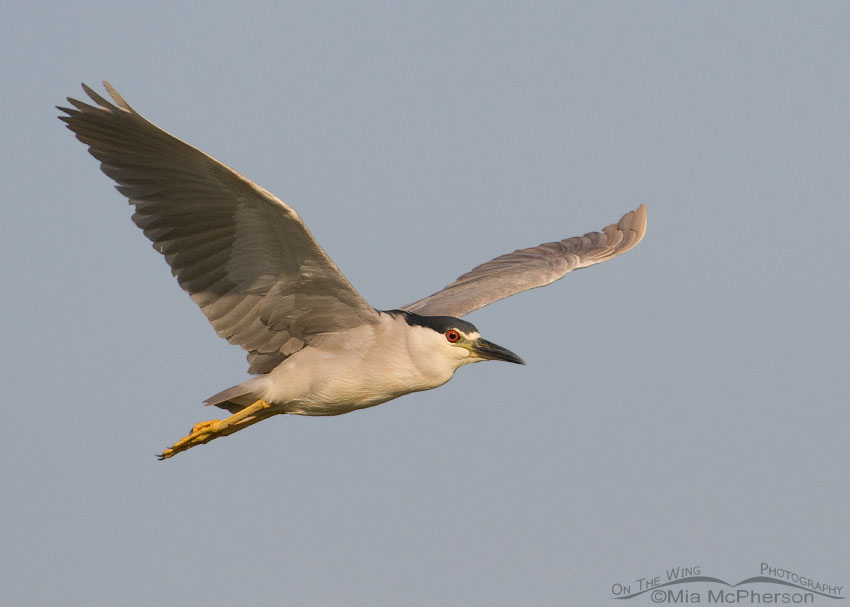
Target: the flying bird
(315, 347)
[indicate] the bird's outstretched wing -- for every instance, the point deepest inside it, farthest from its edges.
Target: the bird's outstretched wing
(533, 267)
(243, 255)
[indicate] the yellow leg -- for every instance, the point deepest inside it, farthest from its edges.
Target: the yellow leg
(204, 432)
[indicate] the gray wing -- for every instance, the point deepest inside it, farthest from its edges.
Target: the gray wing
(243, 255)
(533, 267)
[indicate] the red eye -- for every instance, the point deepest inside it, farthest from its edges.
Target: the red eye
(452, 335)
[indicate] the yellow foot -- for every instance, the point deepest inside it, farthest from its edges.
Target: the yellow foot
(204, 432)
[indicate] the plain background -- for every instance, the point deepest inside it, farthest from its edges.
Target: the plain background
(685, 404)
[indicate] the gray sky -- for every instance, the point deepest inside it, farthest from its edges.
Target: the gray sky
(685, 404)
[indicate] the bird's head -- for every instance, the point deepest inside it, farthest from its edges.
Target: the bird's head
(455, 341)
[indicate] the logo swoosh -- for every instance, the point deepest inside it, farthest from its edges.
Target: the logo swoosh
(684, 580)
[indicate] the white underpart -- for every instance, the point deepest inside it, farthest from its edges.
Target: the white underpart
(362, 367)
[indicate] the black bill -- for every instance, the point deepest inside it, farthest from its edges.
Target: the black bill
(491, 351)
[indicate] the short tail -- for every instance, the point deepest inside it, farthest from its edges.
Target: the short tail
(236, 398)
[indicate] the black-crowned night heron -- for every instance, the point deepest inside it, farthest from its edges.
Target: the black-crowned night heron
(315, 347)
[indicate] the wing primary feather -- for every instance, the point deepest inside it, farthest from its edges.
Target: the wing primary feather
(241, 253)
(533, 267)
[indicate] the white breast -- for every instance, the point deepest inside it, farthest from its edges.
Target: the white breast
(361, 367)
